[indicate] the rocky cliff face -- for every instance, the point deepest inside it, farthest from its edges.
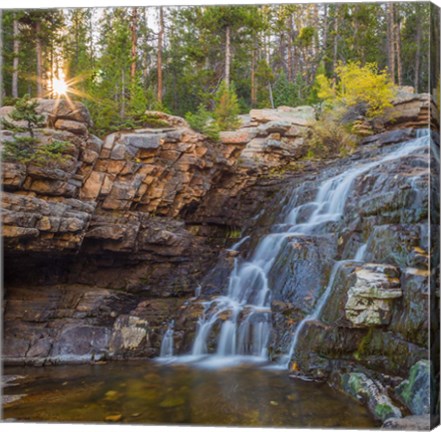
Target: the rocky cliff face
(102, 251)
(123, 229)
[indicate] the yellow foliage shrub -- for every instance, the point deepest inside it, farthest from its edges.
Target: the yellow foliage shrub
(358, 84)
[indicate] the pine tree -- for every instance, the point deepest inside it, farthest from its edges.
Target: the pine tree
(227, 108)
(25, 146)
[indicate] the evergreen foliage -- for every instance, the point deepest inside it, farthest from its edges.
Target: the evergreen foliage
(227, 108)
(25, 147)
(276, 54)
(202, 121)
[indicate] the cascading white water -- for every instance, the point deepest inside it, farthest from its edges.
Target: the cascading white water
(242, 317)
(359, 255)
(167, 342)
(315, 314)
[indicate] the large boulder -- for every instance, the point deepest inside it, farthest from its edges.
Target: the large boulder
(417, 391)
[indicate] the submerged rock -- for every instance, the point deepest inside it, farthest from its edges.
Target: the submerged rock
(369, 392)
(422, 422)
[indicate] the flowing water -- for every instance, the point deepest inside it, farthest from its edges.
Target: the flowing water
(154, 393)
(167, 342)
(242, 317)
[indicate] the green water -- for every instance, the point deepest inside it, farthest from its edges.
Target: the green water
(151, 393)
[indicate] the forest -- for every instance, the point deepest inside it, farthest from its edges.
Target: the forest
(122, 61)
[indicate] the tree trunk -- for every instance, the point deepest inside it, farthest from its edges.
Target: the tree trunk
(227, 55)
(145, 57)
(289, 59)
(159, 62)
(270, 91)
(39, 52)
(253, 79)
(398, 51)
(391, 40)
(134, 33)
(336, 29)
(418, 49)
(16, 49)
(122, 108)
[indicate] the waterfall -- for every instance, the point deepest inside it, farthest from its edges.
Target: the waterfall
(285, 360)
(359, 255)
(239, 322)
(167, 342)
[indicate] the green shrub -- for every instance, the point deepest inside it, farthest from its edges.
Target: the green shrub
(202, 121)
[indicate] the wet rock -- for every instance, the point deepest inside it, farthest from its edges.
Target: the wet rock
(413, 423)
(416, 391)
(369, 299)
(128, 333)
(362, 388)
(389, 137)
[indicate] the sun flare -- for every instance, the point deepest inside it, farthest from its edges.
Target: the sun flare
(60, 87)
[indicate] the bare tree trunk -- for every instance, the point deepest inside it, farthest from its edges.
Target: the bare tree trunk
(336, 29)
(391, 40)
(289, 59)
(398, 51)
(227, 55)
(145, 58)
(270, 90)
(418, 49)
(39, 52)
(16, 49)
(160, 44)
(122, 110)
(253, 79)
(134, 34)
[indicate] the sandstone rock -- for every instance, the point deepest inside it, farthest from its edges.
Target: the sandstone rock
(302, 116)
(240, 136)
(369, 300)
(5, 112)
(172, 121)
(14, 175)
(73, 126)
(92, 187)
(19, 232)
(280, 127)
(62, 109)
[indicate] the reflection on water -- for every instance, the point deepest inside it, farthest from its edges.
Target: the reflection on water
(152, 393)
